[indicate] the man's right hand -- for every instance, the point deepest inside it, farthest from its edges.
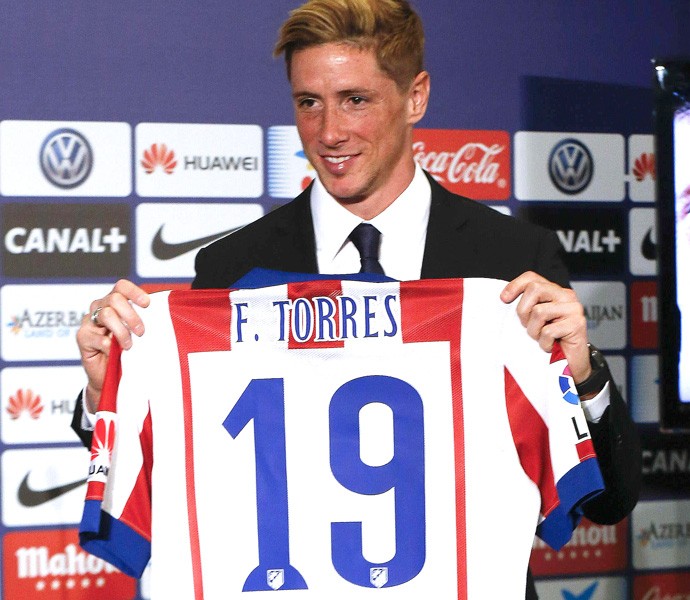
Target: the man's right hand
(111, 316)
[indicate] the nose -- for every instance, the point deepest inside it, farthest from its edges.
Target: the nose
(333, 126)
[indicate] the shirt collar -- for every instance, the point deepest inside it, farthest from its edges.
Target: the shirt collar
(405, 218)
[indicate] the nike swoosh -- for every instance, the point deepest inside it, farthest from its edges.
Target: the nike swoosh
(648, 247)
(30, 497)
(162, 250)
(584, 595)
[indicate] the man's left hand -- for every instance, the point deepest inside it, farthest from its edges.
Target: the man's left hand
(552, 313)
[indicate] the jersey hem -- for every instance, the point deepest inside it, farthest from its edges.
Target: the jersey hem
(101, 535)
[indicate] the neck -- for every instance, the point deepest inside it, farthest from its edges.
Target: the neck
(368, 207)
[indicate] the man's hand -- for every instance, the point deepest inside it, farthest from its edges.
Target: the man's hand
(551, 313)
(112, 316)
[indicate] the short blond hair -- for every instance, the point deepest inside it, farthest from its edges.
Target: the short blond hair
(391, 27)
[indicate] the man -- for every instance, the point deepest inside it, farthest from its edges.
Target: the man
(358, 87)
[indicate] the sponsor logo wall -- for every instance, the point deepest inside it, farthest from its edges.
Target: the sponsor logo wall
(552, 175)
(113, 189)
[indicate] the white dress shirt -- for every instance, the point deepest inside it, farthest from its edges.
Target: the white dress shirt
(402, 226)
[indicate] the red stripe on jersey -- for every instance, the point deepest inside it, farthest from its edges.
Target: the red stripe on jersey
(212, 333)
(585, 449)
(531, 437)
(137, 511)
(421, 323)
(95, 490)
(111, 383)
(556, 353)
(309, 291)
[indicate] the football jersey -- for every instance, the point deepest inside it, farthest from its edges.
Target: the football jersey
(337, 439)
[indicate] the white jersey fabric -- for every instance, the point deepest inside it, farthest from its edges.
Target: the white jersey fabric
(337, 439)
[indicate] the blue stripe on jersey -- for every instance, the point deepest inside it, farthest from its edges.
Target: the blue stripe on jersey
(557, 529)
(100, 534)
(257, 278)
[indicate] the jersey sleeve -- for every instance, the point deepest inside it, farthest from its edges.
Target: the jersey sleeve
(116, 522)
(550, 432)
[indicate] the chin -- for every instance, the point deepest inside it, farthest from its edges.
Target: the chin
(349, 199)
(345, 194)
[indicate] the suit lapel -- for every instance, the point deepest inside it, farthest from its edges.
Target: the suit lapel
(293, 246)
(450, 246)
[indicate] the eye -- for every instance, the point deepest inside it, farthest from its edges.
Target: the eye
(357, 100)
(306, 103)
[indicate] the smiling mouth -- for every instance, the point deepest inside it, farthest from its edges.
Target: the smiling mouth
(336, 160)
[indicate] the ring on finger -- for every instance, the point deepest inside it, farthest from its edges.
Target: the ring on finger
(94, 316)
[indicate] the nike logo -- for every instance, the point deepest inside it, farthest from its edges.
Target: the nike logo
(163, 250)
(586, 594)
(30, 497)
(648, 247)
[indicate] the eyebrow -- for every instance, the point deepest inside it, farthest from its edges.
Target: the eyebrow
(342, 93)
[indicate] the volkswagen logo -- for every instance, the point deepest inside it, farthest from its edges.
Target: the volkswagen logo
(66, 158)
(571, 167)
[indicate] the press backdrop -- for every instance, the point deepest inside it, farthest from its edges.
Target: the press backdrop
(132, 133)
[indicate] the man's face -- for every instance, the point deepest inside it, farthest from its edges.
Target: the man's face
(355, 124)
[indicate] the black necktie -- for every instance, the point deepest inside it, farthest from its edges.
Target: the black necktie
(366, 238)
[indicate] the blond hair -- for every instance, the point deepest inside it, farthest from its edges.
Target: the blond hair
(390, 27)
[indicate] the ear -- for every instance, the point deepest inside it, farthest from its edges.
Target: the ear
(419, 96)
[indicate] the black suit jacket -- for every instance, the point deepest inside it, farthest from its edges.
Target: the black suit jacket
(464, 239)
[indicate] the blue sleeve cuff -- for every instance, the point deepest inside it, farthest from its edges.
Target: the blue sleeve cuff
(578, 485)
(104, 536)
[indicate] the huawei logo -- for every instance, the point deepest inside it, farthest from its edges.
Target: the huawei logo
(103, 440)
(25, 401)
(159, 156)
(645, 166)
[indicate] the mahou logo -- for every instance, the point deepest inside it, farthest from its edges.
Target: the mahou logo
(50, 565)
(593, 548)
(158, 156)
(24, 402)
(473, 163)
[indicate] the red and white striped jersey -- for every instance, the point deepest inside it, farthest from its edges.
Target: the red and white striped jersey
(336, 437)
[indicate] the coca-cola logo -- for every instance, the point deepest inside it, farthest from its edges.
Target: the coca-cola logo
(655, 593)
(662, 586)
(471, 163)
